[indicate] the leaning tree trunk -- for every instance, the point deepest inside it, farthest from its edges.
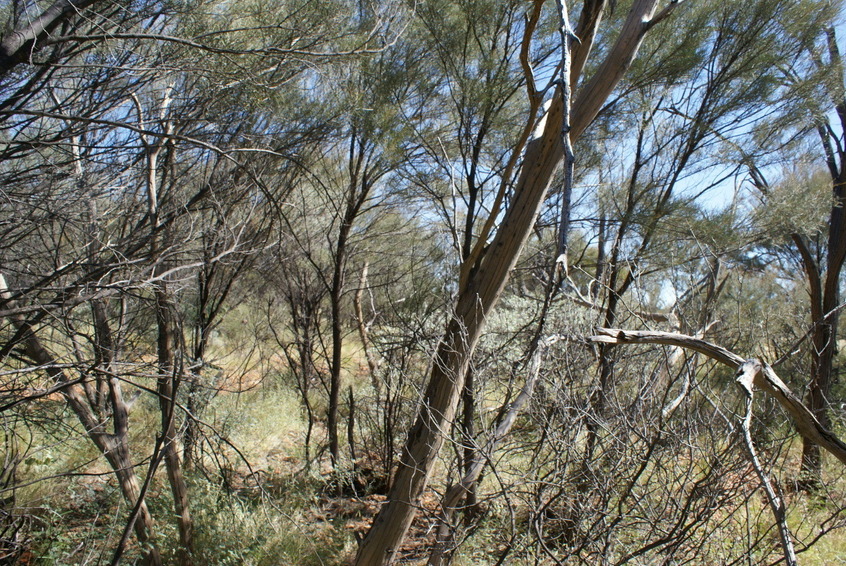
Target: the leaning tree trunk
(482, 291)
(453, 356)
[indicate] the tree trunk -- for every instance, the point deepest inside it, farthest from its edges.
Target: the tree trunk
(825, 298)
(115, 446)
(369, 354)
(19, 45)
(360, 184)
(468, 433)
(481, 293)
(819, 386)
(825, 295)
(453, 355)
(167, 383)
(337, 345)
(169, 367)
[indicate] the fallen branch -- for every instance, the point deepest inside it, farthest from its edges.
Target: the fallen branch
(765, 379)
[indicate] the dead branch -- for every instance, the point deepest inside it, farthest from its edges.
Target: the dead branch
(745, 379)
(765, 379)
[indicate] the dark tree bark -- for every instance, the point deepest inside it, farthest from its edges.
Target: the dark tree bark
(823, 267)
(824, 280)
(20, 44)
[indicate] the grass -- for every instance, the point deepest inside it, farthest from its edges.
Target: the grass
(284, 515)
(292, 521)
(234, 531)
(76, 518)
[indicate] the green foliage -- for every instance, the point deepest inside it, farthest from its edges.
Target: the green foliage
(282, 114)
(800, 203)
(268, 532)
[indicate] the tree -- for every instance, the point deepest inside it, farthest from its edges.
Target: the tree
(104, 118)
(816, 107)
(483, 287)
(28, 73)
(476, 113)
(173, 173)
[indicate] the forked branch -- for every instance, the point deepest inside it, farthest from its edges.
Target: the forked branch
(745, 379)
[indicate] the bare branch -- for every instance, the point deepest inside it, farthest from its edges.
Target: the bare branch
(806, 423)
(745, 378)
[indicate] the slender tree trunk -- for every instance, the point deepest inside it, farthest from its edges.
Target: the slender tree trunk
(822, 359)
(358, 190)
(468, 393)
(825, 294)
(825, 299)
(191, 434)
(363, 334)
(335, 294)
(167, 383)
(200, 337)
(169, 364)
(351, 427)
(468, 434)
(599, 273)
(453, 355)
(823, 349)
(306, 365)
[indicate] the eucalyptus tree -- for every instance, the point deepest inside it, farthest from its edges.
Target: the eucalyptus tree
(476, 113)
